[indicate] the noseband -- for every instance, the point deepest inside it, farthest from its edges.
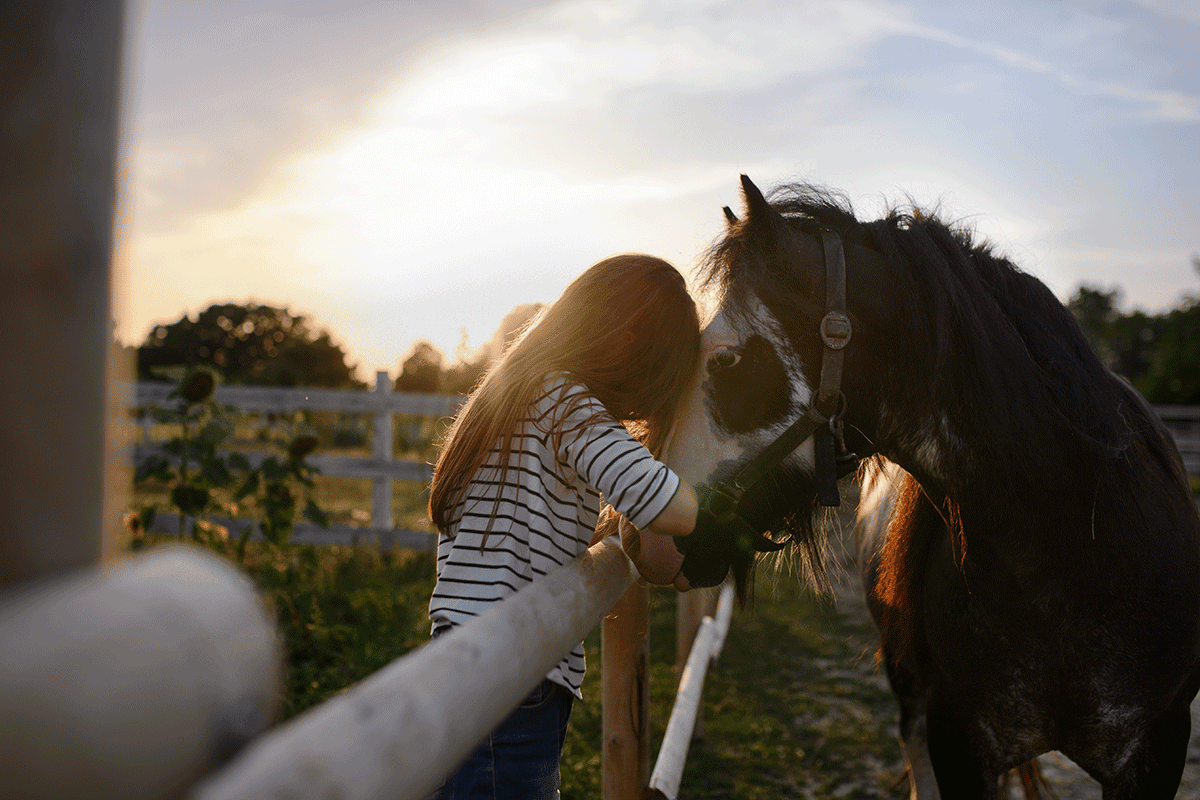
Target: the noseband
(822, 421)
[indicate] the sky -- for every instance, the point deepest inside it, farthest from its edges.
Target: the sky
(415, 169)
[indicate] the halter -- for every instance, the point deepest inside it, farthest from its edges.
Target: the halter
(822, 421)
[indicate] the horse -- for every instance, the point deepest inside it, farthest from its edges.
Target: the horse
(1030, 544)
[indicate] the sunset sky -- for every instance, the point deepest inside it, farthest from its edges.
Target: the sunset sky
(410, 169)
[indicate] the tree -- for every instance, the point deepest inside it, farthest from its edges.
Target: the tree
(1096, 311)
(1158, 353)
(247, 344)
(421, 370)
(1173, 377)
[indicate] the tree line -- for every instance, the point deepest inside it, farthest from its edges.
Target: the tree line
(1158, 353)
(262, 345)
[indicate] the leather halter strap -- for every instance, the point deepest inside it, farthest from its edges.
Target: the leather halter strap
(821, 419)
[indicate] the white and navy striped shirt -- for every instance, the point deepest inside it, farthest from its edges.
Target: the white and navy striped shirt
(547, 507)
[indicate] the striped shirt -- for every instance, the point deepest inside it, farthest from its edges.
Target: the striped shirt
(546, 510)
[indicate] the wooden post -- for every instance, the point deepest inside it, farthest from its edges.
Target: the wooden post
(382, 449)
(59, 79)
(625, 709)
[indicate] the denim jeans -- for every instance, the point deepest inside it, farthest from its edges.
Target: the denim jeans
(518, 760)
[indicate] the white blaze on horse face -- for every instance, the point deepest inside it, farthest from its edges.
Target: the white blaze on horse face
(698, 444)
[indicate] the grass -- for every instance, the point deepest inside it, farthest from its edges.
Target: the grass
(794, 706)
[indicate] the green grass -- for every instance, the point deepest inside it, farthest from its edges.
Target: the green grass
(793, 707)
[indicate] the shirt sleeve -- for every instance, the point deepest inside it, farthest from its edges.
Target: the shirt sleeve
(612, 462)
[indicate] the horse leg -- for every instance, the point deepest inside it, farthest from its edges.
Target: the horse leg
(922, 783)
(960, 771)
(1154, 770)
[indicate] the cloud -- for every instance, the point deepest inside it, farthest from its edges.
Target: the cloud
(1154, 104)
(409, 178)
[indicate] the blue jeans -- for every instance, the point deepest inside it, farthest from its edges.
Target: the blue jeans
(518, 760)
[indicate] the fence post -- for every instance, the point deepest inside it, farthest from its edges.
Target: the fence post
(625, 706)
(132, 680)
(382, 449)
(60, 64)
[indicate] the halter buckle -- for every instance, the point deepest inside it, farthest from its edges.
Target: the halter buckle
(836, 330)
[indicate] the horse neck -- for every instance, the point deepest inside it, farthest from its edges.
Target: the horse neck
(976, 450)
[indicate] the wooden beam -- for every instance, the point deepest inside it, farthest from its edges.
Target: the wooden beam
(625, 706)
(59, 79)
(133, 680)
(401, 730)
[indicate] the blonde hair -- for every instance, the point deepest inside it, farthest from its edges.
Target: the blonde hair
(627, 329)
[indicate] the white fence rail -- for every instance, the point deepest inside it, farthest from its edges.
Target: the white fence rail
(1184, 424)
(381, 467)
(668, 769)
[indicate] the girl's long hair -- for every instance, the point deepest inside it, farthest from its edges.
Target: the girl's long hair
(626, 328)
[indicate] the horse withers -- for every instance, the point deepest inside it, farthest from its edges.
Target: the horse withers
(1031, 554)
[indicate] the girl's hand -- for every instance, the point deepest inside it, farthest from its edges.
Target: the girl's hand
(656, 557)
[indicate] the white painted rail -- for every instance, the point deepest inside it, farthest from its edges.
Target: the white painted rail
(381, 467)
(1184, 424)
(668, 769)
(397, 733)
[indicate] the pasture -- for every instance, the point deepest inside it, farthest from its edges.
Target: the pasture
(795, 707)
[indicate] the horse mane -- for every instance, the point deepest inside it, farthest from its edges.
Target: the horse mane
(992, 341)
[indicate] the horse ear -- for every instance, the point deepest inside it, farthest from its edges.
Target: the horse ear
(755, 202)
(730, 217)
(758, 210)
(765, 228)
(761, 219)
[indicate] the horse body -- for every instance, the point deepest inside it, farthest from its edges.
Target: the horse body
(1030, 548)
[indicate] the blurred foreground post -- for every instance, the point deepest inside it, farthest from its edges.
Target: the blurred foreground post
(59, 78)
(134, 680)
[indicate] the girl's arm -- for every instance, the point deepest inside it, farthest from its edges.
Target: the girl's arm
(656, 557)
(678, 518)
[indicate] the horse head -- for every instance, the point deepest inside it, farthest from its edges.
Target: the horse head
(771, 419)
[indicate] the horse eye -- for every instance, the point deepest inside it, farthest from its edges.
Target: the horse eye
(724, 359)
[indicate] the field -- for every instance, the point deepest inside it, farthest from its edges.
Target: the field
(794, 707)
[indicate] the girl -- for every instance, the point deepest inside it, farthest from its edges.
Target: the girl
(538, 446)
